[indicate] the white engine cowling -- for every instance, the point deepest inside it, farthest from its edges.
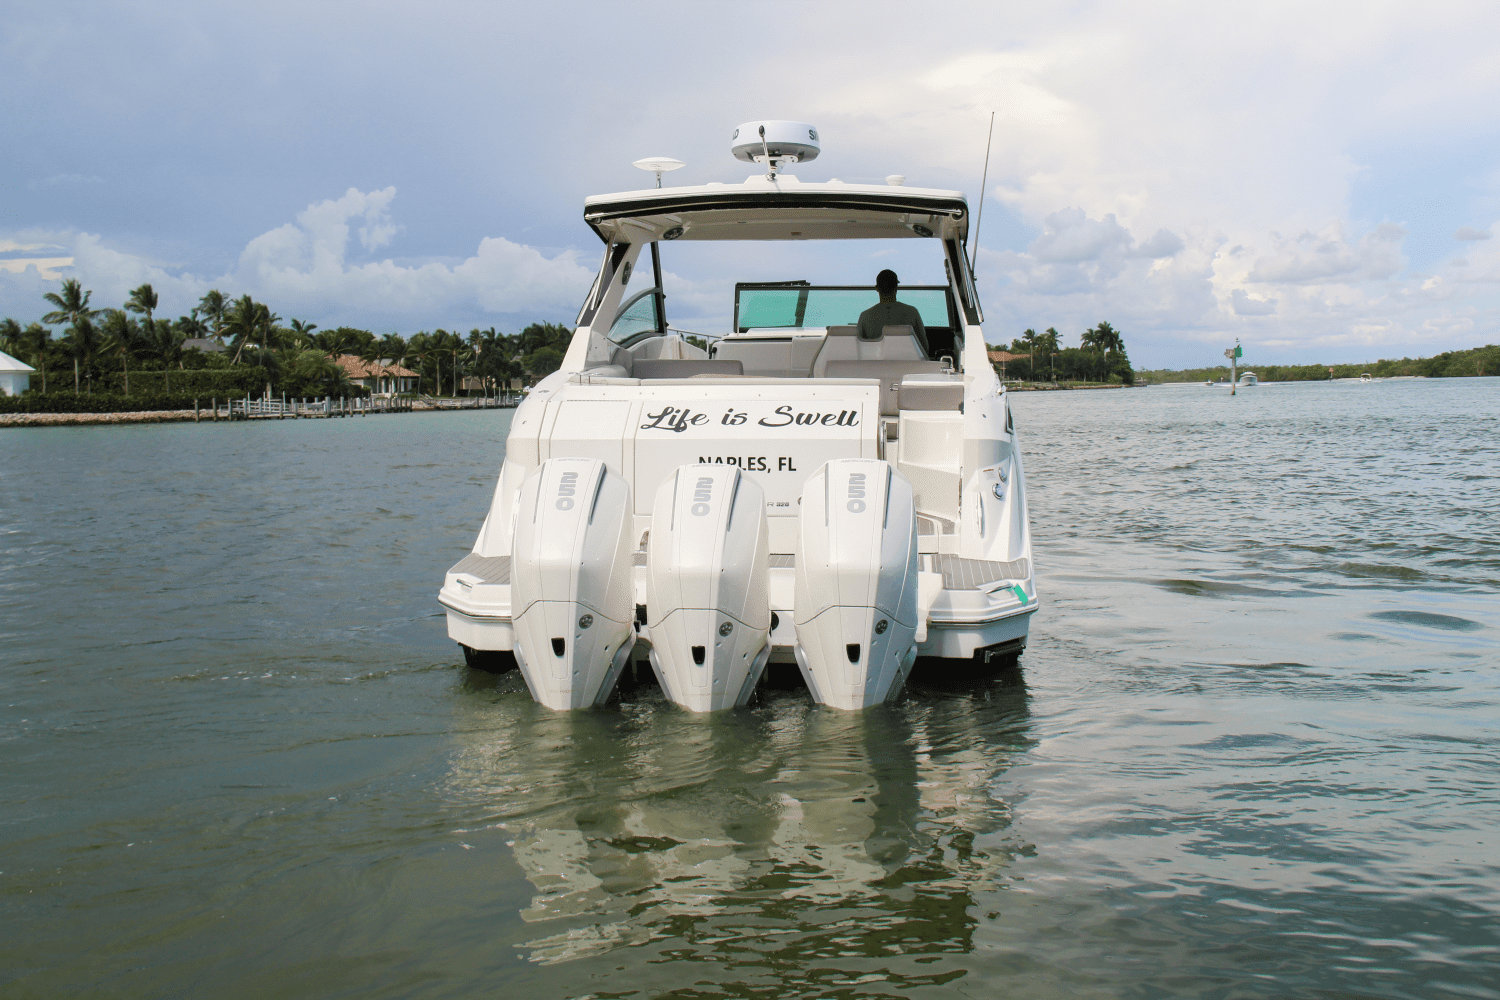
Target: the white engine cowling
(856, 583)
(707, 587)
(571, 566)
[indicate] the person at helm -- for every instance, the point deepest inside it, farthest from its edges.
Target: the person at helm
(889, 312)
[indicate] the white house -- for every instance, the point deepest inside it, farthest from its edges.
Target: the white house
(15, 376)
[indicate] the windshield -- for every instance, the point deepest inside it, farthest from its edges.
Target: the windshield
(636, 319)
(797, 304)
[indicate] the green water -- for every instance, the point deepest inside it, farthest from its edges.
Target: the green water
(1252, 751)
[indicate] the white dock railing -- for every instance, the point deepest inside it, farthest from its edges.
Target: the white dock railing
(245, 408)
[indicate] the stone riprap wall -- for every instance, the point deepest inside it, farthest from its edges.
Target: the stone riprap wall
(53, 419)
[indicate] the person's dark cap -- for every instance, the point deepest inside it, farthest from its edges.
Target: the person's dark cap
(886, 281)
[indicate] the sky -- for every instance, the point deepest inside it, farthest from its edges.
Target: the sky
(1320, 181)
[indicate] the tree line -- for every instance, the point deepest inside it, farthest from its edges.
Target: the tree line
(1475, 362)
(1100, 357)
(108, 347)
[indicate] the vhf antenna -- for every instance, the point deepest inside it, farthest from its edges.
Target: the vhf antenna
(983, 182)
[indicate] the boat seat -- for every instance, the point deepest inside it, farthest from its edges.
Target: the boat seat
(789, 355)
(900, 343)
(890, 374)
(927, 393)
(843, 343)
(684, 368)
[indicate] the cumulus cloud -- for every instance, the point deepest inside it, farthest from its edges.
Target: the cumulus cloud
(44, 260)
(1297, 116)
(1478, 268)
(1328, 255)
(1084, 269)
(1159, 245)
(1315, 294)
(1072, 237)
(1097, 145)
(304, 269)
(1245, 305)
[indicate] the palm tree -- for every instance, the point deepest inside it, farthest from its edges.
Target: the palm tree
(1103, 338)
(1027, 344)
(313, 368)
(303, 332)
(437, 346)
(71, 303)
(142, 300)
(268, 359)
(392, 348)
(388, 350)
(335, 342)
(10, 337)
(417, 349)
(267, 321)
(214, 306)
(245, 319)
(190, 326)
(84, 342)
(36, 339)
(482, 346)
(457, 347)
(239, 323)
(444, 342)
(121, 335)
(164, 340)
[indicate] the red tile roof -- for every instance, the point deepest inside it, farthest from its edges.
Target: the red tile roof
(357, 367)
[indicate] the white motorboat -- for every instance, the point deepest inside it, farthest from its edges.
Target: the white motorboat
(799, 492)
(1248, 378)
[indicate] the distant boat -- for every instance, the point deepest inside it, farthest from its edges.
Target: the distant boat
(1366, 377)
(1248, 378)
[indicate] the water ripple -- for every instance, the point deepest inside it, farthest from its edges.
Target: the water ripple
(1252, 751)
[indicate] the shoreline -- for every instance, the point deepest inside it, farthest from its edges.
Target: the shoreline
(64, 419)
(189, 416)
(1055, 387)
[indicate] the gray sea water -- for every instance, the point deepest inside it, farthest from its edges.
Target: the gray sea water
(1252, 750)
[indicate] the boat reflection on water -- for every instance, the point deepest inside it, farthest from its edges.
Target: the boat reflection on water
(777, 833)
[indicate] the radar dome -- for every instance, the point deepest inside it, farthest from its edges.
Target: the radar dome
(794, 142)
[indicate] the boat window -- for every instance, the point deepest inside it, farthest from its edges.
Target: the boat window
(797, 304)
(770, 304)
(636, 319)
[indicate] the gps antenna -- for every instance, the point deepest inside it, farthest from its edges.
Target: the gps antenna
(983, 182)
(658, 165)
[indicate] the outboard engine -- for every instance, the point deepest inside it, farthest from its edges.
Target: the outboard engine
(707, 587)
(571, 578)
(856, 583)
